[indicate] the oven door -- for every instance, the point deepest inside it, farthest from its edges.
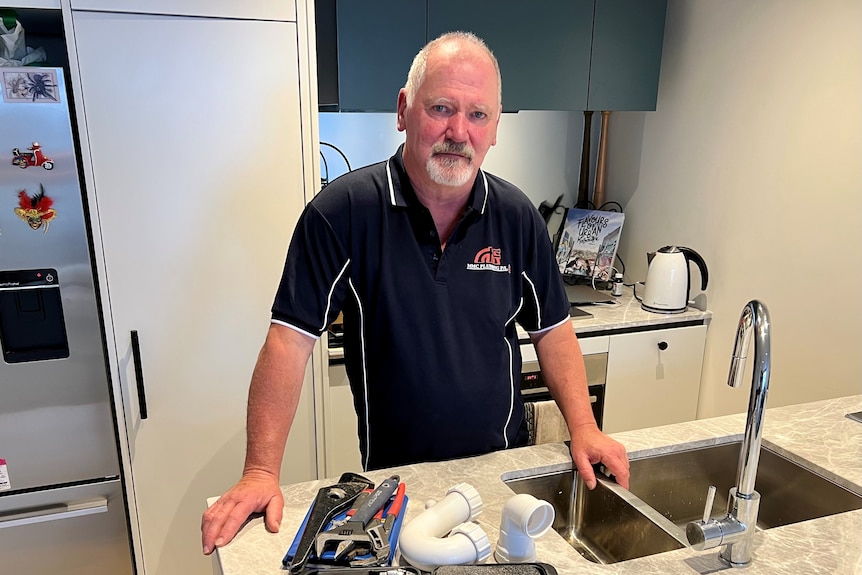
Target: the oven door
(595, 352)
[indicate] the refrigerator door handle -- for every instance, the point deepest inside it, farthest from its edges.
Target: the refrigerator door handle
(139, 374)
(55, 512)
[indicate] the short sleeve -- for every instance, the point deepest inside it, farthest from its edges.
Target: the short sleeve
(313, 283)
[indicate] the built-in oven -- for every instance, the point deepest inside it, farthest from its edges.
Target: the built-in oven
(595, 352)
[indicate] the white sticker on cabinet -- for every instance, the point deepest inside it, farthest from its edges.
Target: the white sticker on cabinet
(4, 476)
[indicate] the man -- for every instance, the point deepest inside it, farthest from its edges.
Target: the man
(431, 261)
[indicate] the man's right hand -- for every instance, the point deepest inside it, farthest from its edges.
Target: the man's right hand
(256, 492)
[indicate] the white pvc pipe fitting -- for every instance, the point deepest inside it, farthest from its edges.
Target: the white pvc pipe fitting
(524, 519)
(423, 541)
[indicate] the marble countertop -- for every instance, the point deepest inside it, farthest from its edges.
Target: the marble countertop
(816, 435)
(626, 313)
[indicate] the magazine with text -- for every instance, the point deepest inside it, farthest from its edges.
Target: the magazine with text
(587, 243)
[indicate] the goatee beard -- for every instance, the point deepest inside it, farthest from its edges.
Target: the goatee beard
(448, 171)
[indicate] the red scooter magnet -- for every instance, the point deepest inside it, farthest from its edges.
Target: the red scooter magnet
(34, 157)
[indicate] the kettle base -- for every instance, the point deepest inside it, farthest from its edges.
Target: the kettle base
(645, 307)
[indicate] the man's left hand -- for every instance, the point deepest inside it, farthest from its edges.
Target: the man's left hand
(591, 446)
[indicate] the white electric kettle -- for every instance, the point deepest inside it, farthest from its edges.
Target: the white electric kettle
(668, 281)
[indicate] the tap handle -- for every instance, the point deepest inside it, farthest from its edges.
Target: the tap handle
(709, 532)
(710, 498)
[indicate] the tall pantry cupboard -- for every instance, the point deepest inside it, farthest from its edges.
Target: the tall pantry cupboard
(198, 124)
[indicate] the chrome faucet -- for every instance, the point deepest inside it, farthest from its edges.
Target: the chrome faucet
(736, 530)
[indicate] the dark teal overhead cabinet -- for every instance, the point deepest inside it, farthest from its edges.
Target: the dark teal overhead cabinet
(377, 40)
(543, 47)
(626, 54)
(554, 55)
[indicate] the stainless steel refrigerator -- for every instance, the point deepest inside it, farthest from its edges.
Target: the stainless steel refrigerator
(62, 506)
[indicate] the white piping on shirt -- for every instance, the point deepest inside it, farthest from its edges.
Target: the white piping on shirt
(511, 377)
(550, 327)
(485, 181)
(517, 311)
(535, 298)
(391, 189)
(331, 290)
(364, 374)
(511, 393)
(294, 328)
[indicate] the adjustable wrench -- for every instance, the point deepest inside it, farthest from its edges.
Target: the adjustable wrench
(330, 501)
(352, 536)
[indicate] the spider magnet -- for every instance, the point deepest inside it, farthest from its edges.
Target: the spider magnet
(38, 85)
(36, 210)
(32, 157)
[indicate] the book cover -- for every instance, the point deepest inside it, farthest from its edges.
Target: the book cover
(587, 243)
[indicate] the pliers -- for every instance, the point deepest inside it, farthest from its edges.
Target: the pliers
(380, 528)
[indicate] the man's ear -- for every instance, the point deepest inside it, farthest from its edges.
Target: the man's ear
(497, 125)
(402, 110)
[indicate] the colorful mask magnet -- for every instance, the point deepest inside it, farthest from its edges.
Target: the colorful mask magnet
(35, 157)
(36, 210)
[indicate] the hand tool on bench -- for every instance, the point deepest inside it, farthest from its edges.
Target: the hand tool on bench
(363, 497)
(379, 530)
(329, 502)
(352, 538)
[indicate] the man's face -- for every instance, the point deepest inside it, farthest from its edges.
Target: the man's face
(453, 119)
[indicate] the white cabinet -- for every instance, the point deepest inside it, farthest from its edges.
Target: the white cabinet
(653, 378)
(46, 4)
(247, 9)
(341, 435)
(195, 140)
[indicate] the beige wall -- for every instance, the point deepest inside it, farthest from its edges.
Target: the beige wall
(754, 159)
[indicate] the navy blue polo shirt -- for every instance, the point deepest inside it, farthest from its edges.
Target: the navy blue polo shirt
(430, 345)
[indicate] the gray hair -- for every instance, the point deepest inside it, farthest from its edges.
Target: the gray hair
(417, 70)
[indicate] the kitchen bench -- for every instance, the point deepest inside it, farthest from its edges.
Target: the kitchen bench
(817, 435)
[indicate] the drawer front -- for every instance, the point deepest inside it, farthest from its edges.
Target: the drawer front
(77, 530)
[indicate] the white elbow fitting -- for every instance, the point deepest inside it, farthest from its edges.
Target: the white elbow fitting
(423, 541)
(524, 519)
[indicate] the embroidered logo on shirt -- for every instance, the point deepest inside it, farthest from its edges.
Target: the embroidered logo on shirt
(488, 259)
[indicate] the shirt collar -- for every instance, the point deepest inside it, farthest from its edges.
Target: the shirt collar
(401, 192)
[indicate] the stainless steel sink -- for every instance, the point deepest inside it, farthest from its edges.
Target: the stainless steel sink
(610, 524)
(605, 525)
(676, 485)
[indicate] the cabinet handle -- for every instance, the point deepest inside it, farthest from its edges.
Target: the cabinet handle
(54, 513)
(139, 374)
(662, 345)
